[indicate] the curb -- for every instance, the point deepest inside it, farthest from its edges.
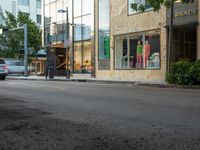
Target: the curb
(135, 83)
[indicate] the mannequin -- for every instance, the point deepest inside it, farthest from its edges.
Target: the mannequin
(147, 52)
(139, 54)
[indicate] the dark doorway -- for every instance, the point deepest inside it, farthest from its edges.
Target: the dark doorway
(184, 46)
(60, 61)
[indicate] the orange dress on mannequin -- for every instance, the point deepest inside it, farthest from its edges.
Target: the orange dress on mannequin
(147, 53)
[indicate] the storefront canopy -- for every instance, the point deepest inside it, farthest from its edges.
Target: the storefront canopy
(41, 53)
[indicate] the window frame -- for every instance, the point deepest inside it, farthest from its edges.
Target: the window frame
(101, 59)
(40, 18)
(38, 4)
(21, 2)
(138, 12)
(128, 35)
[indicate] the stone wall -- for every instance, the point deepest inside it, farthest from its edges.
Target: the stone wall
(122, 23)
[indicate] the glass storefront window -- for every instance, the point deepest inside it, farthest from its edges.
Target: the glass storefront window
(78, 29)
(104, 29)
(86, 56)
(86, 27)
(39, 4)
(87, 6)
(77, 8)
(77, 57)
(136, 50)
(141, 50)
(81, 14)
(23, 2)
(53, 15)
(121, 54)
(60, 16)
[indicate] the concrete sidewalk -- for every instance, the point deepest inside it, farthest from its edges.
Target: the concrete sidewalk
(154, 83)
(87, 79)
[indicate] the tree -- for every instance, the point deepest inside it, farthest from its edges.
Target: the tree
(14, 40)
(155, 4)
(34, 32)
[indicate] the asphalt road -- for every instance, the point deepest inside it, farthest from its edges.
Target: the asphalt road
(92, 116)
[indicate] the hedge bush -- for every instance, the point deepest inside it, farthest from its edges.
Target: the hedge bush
(184, 73)
(195, 71)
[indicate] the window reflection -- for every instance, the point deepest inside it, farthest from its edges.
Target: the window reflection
(83, 18)
(86, 56)
(77, 57)
(104, 30)
(87, 6)
(77, 30)
(77, 8)
(86, 26)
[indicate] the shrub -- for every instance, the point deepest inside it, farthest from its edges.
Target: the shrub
(195, 71)
(180, 73)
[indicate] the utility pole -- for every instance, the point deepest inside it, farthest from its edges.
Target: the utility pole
(67, 47)
(171, 31)
(67, 52)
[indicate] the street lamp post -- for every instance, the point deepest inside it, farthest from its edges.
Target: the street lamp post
(171, 31)
(67, 48)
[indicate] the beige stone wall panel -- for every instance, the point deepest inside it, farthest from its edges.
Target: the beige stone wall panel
(121, 23)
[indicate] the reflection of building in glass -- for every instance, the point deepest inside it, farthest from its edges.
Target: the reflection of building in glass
(104, 43)
(81, 26)
(104, 31)
(2, 18)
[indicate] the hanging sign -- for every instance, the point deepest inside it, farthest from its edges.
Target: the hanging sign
(185, 13)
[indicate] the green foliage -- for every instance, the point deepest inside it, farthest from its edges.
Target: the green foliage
(8, 53)
(184, 73)
(195, 71)
(34, 32)
(14, 40)
(155, 4)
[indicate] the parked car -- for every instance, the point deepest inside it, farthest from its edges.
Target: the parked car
(15, 66)
(3, 69)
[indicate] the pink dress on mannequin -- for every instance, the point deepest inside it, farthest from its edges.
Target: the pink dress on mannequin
(147, 52)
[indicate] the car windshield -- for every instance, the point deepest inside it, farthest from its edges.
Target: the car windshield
(2, 61)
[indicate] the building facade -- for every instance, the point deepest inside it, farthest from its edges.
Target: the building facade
(31, 7)
(111, 41)
(71, 23)
(130, 33)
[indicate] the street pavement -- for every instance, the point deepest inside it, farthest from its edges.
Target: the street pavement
(97, 116)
